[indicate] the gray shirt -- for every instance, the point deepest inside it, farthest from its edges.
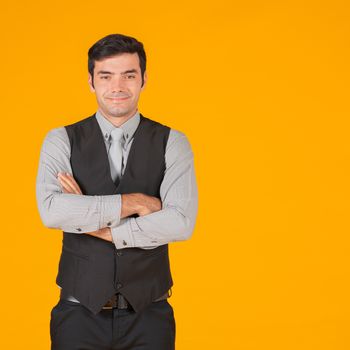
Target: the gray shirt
(83, 213)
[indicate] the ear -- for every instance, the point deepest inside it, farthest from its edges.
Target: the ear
(144, 80)
(90, 83)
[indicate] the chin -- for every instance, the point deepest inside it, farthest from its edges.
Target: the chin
(118, 113)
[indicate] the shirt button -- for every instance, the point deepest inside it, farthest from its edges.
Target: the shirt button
(109, 223)
(124, 243)
(119, 285)
(78, 229)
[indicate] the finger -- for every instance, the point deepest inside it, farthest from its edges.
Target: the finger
(66, 188)
(92, 233)
(73, 183)
(96, 234)
(65, 191)
(101, 234)
(66, 184)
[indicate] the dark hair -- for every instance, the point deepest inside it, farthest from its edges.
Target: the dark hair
(112, 45)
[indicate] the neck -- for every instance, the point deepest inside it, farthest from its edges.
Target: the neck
(118, 121)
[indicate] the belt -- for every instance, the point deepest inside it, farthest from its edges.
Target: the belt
(118, 301)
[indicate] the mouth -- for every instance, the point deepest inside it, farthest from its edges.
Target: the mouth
(117, 99)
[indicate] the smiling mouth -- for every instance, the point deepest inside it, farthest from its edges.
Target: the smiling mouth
(118, 98)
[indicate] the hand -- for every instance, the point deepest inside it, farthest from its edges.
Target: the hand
(68, 183)
(149, 205)
(139, 203)
(103, 233)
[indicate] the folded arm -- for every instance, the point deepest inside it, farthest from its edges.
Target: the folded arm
(69, 212)
(132, 203)
(159, 222)
(176, 219)
(63, 206)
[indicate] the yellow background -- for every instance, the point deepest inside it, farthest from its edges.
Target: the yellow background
(261, 89)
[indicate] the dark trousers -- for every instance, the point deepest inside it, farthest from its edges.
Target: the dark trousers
(74, 327)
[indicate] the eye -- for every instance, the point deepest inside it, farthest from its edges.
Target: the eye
(105, 77)
(130, 76)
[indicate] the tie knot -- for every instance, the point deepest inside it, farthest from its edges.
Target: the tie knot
(117, 134)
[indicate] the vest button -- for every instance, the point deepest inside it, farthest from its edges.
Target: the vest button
(119, 285)
(119, 253)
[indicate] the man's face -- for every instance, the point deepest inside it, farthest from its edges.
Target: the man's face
(117, 85)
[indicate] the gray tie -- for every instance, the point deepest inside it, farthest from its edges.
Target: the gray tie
(115, 155)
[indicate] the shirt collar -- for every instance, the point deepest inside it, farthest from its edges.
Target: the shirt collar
(129, 127)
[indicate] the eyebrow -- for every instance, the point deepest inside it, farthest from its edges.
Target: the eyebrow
(125, 72)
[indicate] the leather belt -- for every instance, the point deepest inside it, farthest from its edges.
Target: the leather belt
(118, 301)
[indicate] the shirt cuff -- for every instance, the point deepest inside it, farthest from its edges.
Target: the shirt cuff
(110, 210)
(122, 235)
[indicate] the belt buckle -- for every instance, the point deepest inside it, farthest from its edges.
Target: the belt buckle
(111, 303)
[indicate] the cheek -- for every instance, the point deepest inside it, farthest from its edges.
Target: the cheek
(136, 90)
(100, 92)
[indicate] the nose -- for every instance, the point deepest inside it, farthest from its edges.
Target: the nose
(118, 84)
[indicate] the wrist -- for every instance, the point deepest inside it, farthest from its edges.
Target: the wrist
(139, 203)
(106, 234)
(132, 203)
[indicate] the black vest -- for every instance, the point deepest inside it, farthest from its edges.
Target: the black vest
(92, 269)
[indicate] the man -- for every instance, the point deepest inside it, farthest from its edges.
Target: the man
(121, 187)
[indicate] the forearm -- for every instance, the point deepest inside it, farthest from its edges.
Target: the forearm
(66, 211)
(73, 212)
(175, 219)
(78, 213)
(170, 224)
(131, 203)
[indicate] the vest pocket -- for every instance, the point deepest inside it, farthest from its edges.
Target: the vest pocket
(72, 273)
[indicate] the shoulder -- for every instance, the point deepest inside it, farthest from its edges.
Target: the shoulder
(178, 142)
(56, 140)
(178, 152)
(58, 137)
